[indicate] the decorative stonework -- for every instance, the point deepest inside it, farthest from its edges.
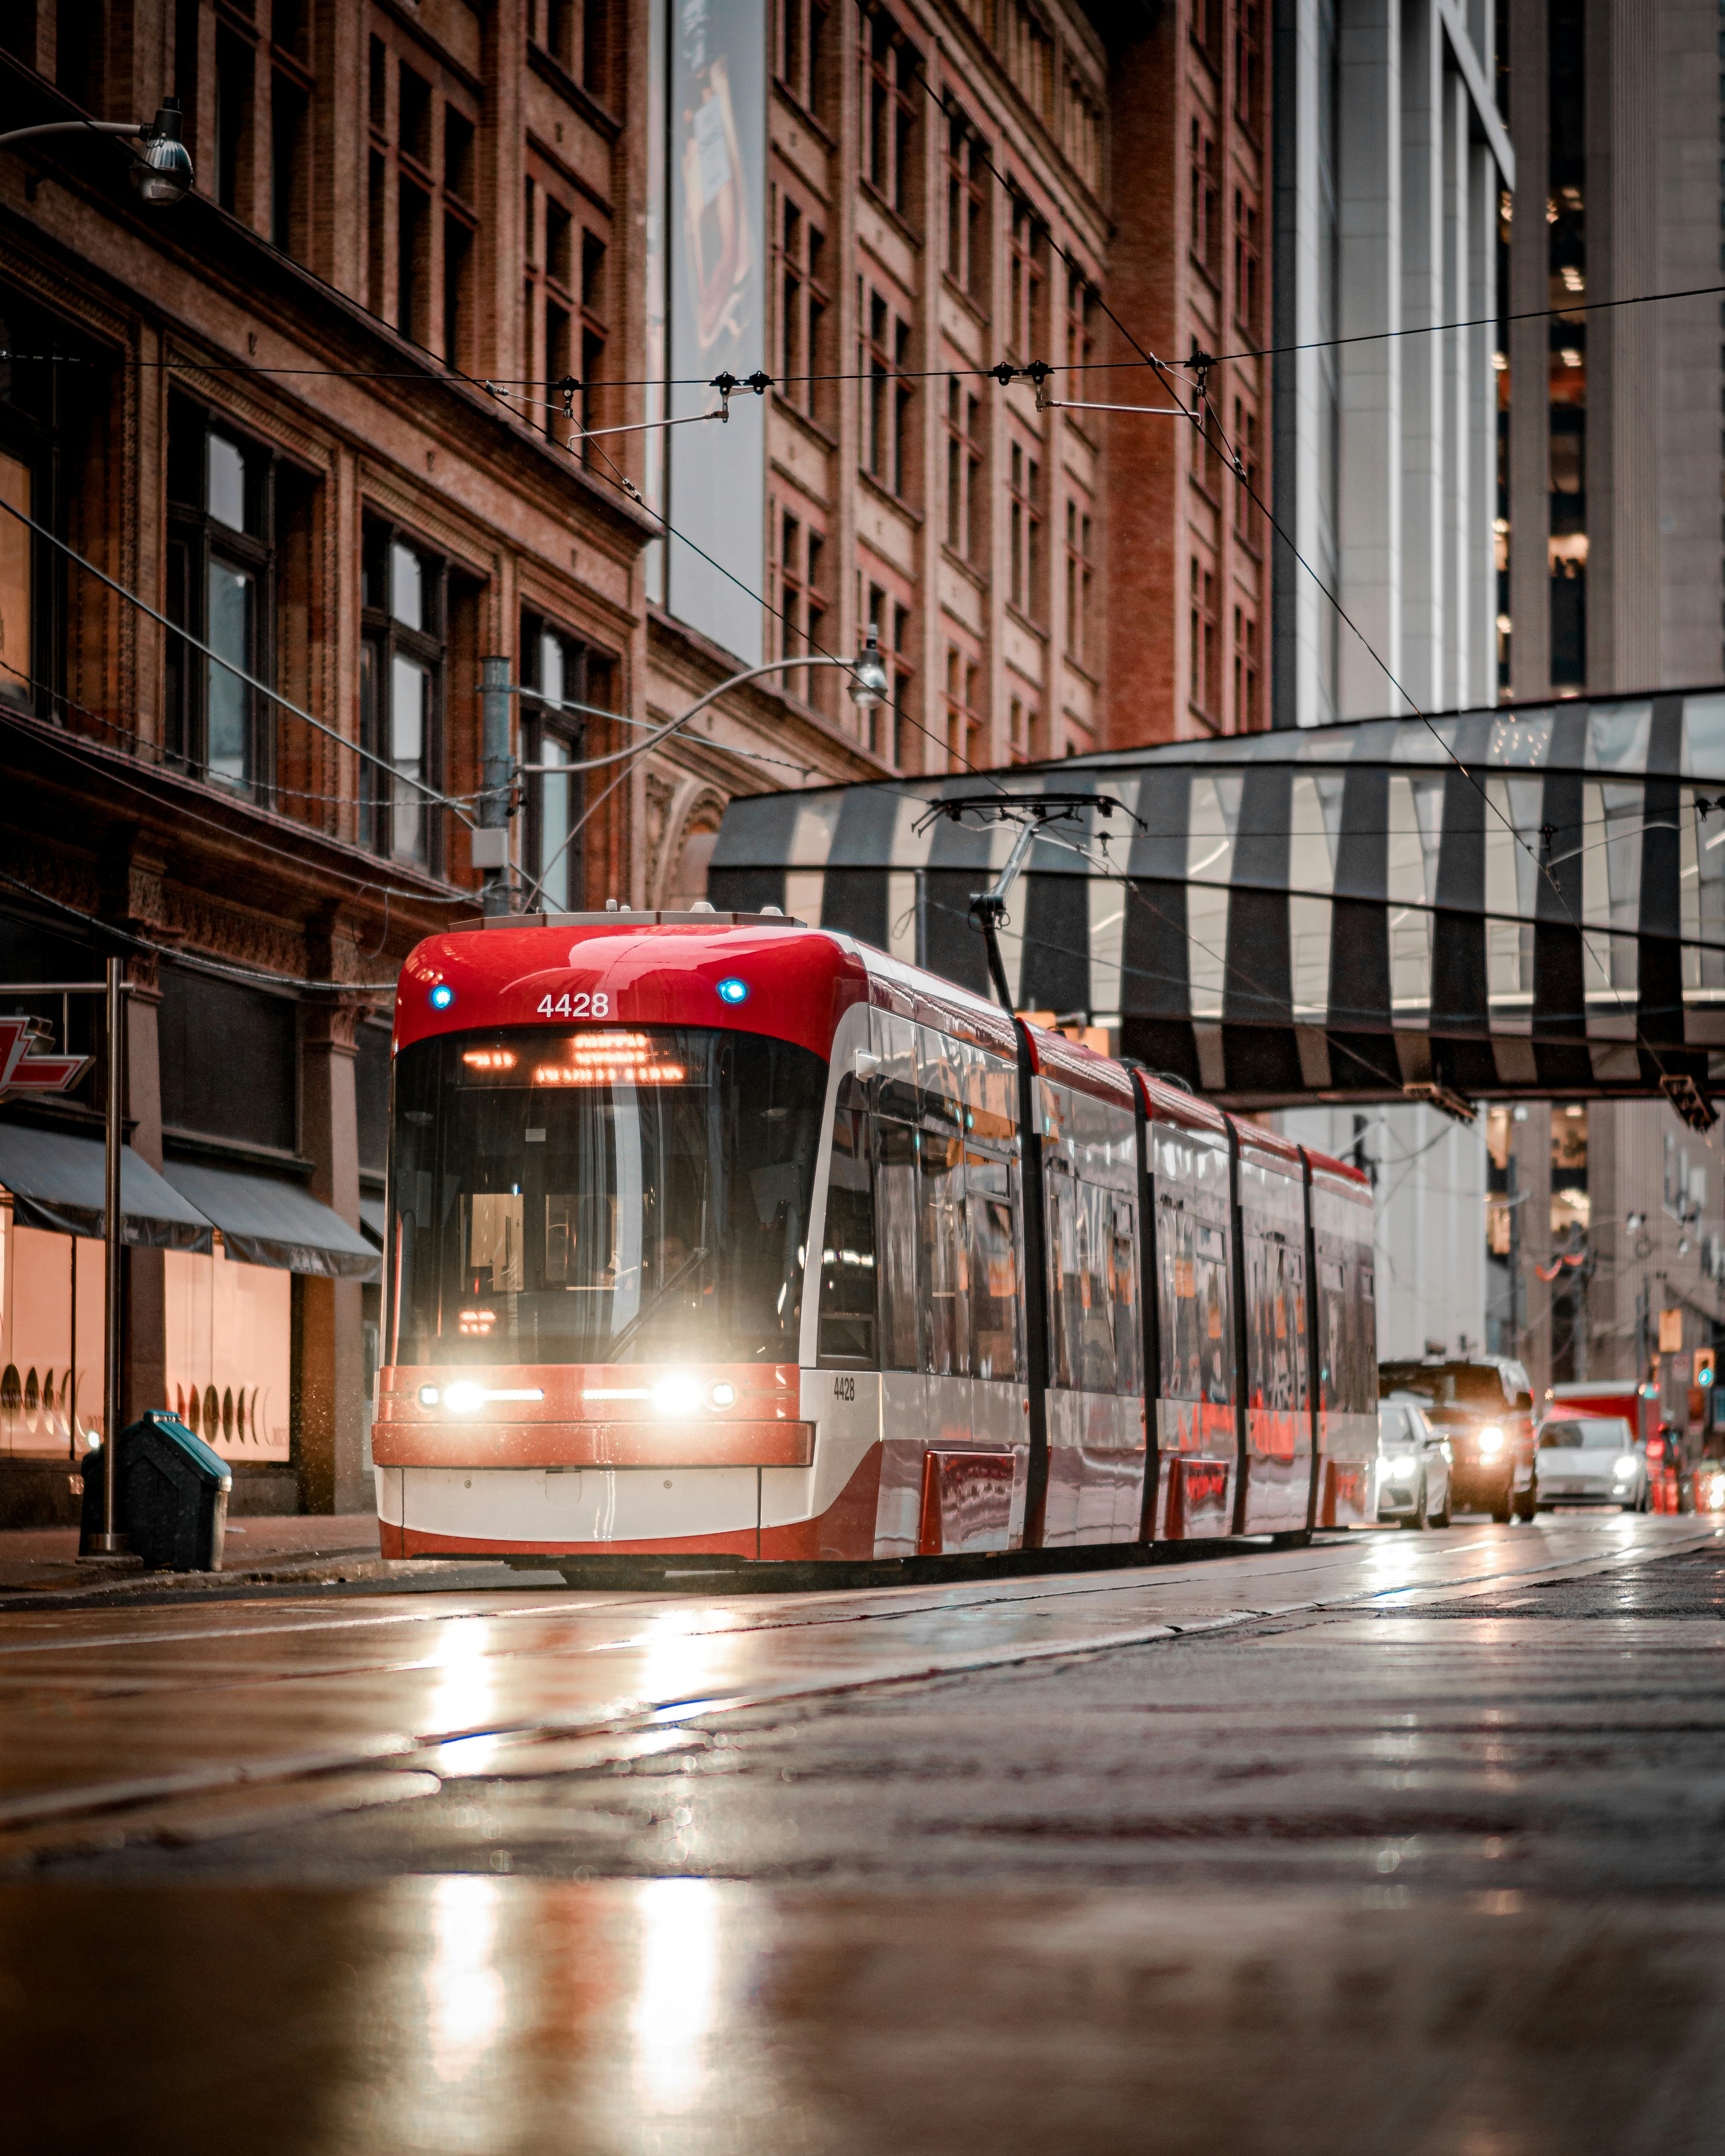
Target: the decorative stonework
(701, 809)
(660, 793)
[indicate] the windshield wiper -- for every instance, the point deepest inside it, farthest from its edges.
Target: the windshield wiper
(653, 1301)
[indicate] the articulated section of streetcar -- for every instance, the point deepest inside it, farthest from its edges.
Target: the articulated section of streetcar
(721, 1235)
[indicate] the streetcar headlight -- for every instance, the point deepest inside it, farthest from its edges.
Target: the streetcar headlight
(676, 1396)
(1491, 1441)
(429, 1396)
(723, 1396)
(463, 1398)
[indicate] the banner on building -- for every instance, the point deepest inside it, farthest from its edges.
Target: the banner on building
(716, 226)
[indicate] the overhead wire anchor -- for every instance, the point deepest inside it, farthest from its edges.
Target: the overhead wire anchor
(727, 385)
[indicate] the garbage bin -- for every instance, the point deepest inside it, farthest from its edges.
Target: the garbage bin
(171, 1502)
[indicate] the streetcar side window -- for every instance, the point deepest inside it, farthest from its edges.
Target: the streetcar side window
(848, 1268)
(1192, 1270)
(996, 1333)
(897, 1175)
(1090, 1176)
(1275, 1325)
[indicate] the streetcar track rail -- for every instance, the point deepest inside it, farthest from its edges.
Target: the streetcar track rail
(219, 1799)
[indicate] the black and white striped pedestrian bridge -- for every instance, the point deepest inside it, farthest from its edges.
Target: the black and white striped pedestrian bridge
(1503, 903)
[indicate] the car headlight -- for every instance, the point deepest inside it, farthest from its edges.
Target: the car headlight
(676, 1396)
(463, 1398)
(1398, 1470)
(1624, 1468)
(1490, 1441)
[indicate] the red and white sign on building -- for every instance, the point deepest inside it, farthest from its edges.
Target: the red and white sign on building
(23, 1070)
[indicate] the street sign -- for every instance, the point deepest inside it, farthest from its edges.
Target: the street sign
(23, 1070)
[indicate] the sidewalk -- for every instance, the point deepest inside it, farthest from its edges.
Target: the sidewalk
(47, 1557)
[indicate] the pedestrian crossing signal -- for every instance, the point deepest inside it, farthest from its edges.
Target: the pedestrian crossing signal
(1703, 1366)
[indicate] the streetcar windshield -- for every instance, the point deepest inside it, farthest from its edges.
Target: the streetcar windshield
(612, 1195)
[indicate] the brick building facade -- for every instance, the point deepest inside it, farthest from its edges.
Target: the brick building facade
(317, 419)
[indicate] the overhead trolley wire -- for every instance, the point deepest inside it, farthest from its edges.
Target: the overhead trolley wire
(451, 375)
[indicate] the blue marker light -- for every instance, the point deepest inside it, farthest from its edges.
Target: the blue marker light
(441, 996)
(733, 990)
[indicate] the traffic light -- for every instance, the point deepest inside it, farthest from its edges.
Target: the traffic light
(1703, 1366)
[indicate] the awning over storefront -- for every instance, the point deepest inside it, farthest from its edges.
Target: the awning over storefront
(373, 1216)
(57, 1180)
(266, 1223)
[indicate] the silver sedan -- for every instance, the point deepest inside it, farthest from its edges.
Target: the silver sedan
(1590, 1460)
(1410, 1477)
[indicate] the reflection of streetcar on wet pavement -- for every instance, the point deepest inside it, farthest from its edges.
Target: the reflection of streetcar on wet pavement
(710, 1232)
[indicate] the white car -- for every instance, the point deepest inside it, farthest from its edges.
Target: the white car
(1410, 1477)
(1590, 1460)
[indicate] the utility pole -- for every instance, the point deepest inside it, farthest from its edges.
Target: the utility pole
(109, 1541)
(1515, 1254)
(490, 841)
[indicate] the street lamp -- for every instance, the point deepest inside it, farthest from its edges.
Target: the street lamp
(161, 171)
(869, 684)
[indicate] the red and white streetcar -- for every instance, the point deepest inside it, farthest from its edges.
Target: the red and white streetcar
(711, 1233)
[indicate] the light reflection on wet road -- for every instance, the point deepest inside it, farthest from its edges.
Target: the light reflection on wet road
(1398, 1843)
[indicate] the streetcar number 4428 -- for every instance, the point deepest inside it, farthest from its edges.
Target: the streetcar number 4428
(581, 1006)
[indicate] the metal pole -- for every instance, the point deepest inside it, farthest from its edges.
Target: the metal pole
(110, 1542)
(496, 777)
(1515, 1250)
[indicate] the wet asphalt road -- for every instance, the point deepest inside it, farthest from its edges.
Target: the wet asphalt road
(1416, 1846)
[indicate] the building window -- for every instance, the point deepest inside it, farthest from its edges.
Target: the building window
(887, 393)
(801, 604)
(803, 305)
(422, 186)
(967, 504)
(1081, 319)
(289, 177)
(1249, 67)
(222, 532)
(1203, 685)
(1025, 493)
(966, 749)
(1246, 477)
(592, 336)
(967, 209)
(402, 663)
(1246, 280)
(889, 105)
(18, 582)
(1206, 234)
(1079, 569)
(892, 623)
(801, 52)
(31, 399)
(1029, 56)
(1083, 139)
(1247, 717)
(561, 672)
(1026, 246)
(235, 71)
